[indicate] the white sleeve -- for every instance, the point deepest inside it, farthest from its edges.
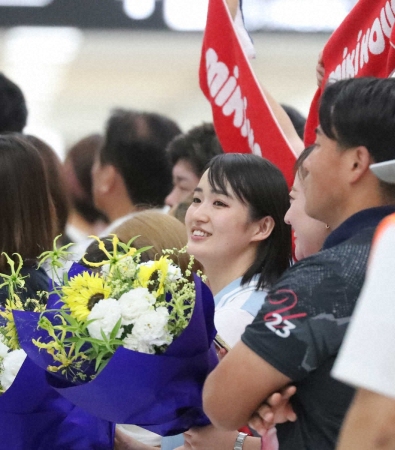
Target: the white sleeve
(367, 356)
(231, 323)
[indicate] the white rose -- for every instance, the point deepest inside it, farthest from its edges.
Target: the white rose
(174, 273)
(11, 364)
(134, 303)
(132, 343)
(151, 327)
(106, 314)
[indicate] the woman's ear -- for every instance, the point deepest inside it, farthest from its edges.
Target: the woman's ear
(264, 229)
(107, 177)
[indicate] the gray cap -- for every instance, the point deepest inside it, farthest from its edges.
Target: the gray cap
(385, 171)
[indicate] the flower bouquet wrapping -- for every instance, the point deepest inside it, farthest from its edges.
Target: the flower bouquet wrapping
(33, 416)
(131, 343)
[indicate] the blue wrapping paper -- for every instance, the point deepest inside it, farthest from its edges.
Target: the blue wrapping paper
(33, 416)
(162, 393)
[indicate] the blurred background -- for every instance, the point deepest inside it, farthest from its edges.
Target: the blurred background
(76, 60)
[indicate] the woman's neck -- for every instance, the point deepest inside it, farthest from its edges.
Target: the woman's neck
(221, 273)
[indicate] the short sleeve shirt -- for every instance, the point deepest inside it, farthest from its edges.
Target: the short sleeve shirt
(236, 305)
(301, 325)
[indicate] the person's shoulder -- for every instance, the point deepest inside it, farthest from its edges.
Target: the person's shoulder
(311, 275)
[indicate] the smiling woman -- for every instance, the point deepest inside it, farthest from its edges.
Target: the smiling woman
(236, 230)
(236, 221)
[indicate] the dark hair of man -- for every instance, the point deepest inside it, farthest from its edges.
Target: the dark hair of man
(132, 125)
(197, 147)
(261, 186)
(361, 112)
(27, 222)
(78, 166)
(135, 144)
(13, 110)
(298, 167)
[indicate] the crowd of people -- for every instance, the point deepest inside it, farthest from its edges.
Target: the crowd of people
(286, 269)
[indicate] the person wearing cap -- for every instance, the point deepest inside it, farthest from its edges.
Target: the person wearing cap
(296, 335)
(365, 360)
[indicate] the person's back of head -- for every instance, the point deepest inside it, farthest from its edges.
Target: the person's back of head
(132, 125)
(77, 168)
(297, 119)
(361, 112)
(158, 230)
(135, 145)
(13, 110)
(28, 218)
(150, 229)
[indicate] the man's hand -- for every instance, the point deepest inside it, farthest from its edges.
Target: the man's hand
(276, 409)
(209, 438)
(125, 442)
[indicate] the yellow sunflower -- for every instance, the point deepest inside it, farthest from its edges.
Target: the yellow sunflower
(154, 275)
(82, 292)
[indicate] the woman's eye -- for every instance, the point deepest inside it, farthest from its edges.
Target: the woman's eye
(196, 200)
(219, 203)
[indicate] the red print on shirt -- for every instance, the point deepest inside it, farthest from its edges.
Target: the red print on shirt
(278, 320)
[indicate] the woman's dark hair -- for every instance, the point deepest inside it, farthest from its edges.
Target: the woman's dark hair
(56, 181)
(298, 167)
(28, 221)
(261, 186)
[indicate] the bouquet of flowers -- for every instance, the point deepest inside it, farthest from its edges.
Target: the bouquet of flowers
(33, 416)
(127, 340)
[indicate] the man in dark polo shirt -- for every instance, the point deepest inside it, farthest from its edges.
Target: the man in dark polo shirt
(297, 334)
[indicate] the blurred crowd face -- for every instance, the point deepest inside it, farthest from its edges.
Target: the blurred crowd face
(184, 182)
(97, 182)
(309, 234)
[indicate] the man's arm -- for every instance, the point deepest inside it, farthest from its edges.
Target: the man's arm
(237, 387)
(369, 424)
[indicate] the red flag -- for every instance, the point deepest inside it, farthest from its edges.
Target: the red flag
(359, 47)
(243, 119)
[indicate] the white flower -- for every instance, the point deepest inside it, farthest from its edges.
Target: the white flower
(105, 270)
(127, 266)
(132, 343)
(134, 303)
(106, 314)
(151, 327)
(174, 273)
(3, 347)
(11, 364)
(147, 263)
